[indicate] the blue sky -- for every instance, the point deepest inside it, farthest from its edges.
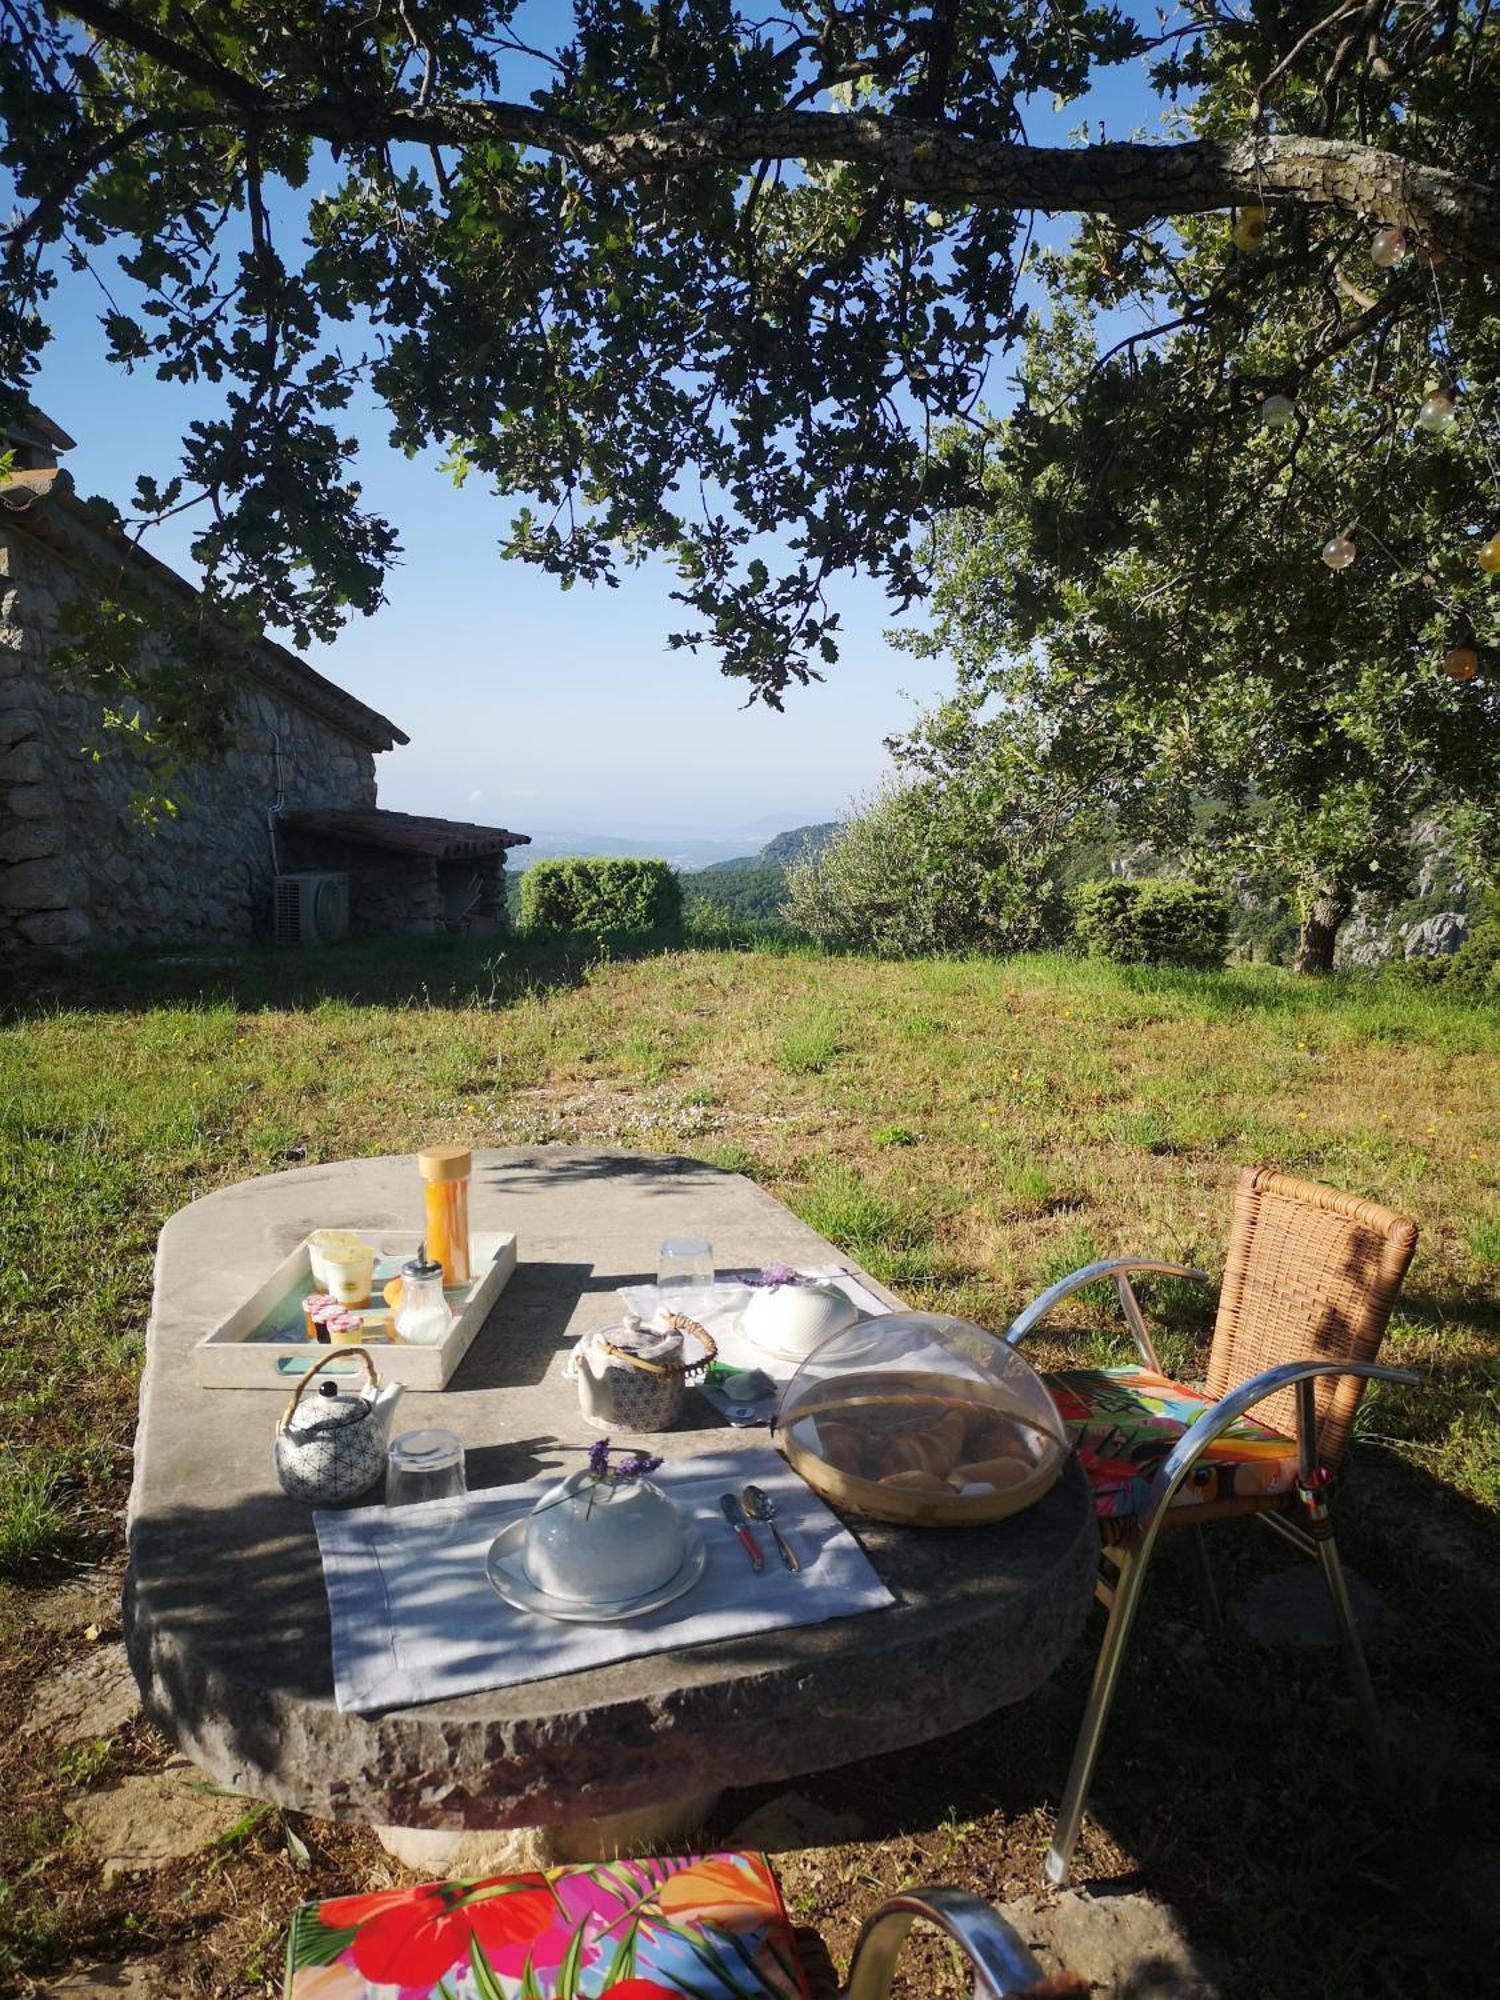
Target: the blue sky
(526, 706)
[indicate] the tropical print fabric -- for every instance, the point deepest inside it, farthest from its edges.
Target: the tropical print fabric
(1124, 1421)
(696, 1927)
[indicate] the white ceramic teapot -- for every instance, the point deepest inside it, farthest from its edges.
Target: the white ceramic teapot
(592, 1542)
(332, 1447)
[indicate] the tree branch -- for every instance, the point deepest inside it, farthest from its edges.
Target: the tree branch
(920, 159)
(1130, 183)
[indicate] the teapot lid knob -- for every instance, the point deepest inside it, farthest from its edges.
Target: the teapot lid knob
(328, 1388)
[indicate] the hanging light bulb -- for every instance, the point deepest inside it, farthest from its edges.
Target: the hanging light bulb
(1340, 552)
(1461, 662)
(1388, 246)
(1278, 413)
(1249, 231)
(1489, 556)
(1439, 408)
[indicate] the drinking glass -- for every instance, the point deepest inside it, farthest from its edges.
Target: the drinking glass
(685, 1269)
(424, 1465)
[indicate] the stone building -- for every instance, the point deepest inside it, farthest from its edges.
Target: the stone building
(295, 789)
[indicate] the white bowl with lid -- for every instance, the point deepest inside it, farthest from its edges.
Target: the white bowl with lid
(790, 1320)
(590, 1542)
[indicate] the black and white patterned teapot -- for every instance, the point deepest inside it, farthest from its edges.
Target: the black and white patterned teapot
(332, 1447)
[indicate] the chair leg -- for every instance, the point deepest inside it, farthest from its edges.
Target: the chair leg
(1126, 1597)
(1208, 1596)
(1354, 1655)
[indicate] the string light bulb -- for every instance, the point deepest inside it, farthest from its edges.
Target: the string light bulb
(1340, 552)
(1461, 662)
(1249, 231)
(1388, 246)
(1489, 556)
(1278, 413)
(1439, 408)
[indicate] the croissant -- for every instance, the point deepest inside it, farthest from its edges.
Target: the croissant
(842, 1447)
(998, 1438)
(999, 1473)
(917, 1482)
(924, 1447)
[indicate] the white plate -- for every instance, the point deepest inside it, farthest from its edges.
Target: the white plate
(506, 1570)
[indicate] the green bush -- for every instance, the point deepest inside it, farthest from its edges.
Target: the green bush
(1151, 923)
(927, 868)
(600, 894)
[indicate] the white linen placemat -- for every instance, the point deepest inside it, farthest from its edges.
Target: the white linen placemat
(415, 1618)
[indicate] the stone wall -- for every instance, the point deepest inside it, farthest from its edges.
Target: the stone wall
(389, 894)
(77, 870)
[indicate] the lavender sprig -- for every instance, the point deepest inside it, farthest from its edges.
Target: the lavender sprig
(776, 1274)
(635, 1465)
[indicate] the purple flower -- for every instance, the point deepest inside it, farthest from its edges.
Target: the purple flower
(776, 1274)
(637, 1465)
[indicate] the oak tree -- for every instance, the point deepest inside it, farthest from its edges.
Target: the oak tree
(698, 278)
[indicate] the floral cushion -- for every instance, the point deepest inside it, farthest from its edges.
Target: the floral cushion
(696, 1927)
(1124, 1421)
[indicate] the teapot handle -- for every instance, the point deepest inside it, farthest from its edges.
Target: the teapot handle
(317, 1368)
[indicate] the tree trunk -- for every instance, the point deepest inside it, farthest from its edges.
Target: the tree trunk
(1321, 923)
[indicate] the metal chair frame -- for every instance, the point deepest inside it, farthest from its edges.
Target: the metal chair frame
(1003, 1967)
(1313, 1535)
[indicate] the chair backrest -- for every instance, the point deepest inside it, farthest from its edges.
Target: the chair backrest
(1311, 1275)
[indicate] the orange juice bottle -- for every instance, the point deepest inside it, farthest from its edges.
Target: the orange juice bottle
(445, 1169)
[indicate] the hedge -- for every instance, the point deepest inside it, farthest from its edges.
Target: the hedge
(1151, 923)
(600, 894)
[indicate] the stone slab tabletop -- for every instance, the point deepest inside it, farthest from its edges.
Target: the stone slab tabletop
(226, 1618)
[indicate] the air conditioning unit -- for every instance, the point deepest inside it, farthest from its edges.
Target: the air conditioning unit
(312, 907)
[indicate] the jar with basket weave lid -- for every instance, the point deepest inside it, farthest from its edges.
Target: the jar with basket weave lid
(635, 1378)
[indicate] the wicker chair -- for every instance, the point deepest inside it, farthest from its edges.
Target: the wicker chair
(1309, 1284)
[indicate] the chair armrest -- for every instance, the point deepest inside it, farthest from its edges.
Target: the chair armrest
(1198, 1437)
(1003, 1966)
(1119, 1269)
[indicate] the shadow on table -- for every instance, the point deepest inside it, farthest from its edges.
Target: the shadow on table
(645, 1173)
(527, 1326)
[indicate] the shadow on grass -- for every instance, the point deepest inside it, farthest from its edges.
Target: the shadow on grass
(443, 972)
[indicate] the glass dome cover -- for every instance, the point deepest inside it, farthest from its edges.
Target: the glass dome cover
(921, 1418)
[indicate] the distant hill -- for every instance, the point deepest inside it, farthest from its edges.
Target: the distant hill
(752, 888)
(799, 843)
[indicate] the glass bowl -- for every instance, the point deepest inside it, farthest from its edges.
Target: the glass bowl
(921, 1419)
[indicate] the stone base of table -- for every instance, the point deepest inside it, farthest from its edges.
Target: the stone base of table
(470, 1853)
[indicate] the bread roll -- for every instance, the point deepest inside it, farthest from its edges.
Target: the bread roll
(997, 1437)
(917, 1482)
(924, 1447)
(841, 1445)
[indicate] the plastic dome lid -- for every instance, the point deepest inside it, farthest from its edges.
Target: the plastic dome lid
(921, 1418)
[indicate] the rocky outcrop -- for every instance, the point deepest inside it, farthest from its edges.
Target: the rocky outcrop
(1437, 936)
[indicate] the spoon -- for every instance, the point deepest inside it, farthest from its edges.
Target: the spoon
(761, 1507)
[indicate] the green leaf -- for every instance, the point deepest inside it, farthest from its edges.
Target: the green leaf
(486, 1981)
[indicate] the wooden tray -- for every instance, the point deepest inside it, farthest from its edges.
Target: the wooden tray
(264, 1342)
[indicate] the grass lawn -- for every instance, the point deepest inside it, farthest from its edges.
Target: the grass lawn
(968, 1131)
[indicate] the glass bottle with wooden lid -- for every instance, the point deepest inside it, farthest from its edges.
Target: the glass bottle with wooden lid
(445, 1169)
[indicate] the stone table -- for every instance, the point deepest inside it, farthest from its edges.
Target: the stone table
(225, 1615)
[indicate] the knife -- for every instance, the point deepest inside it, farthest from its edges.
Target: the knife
(734, 1514)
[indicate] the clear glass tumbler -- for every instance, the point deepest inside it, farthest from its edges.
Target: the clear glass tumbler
(684, 1270)
(424, 1465)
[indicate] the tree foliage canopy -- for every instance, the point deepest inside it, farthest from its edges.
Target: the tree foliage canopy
(1141, 596)
(701, 279)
